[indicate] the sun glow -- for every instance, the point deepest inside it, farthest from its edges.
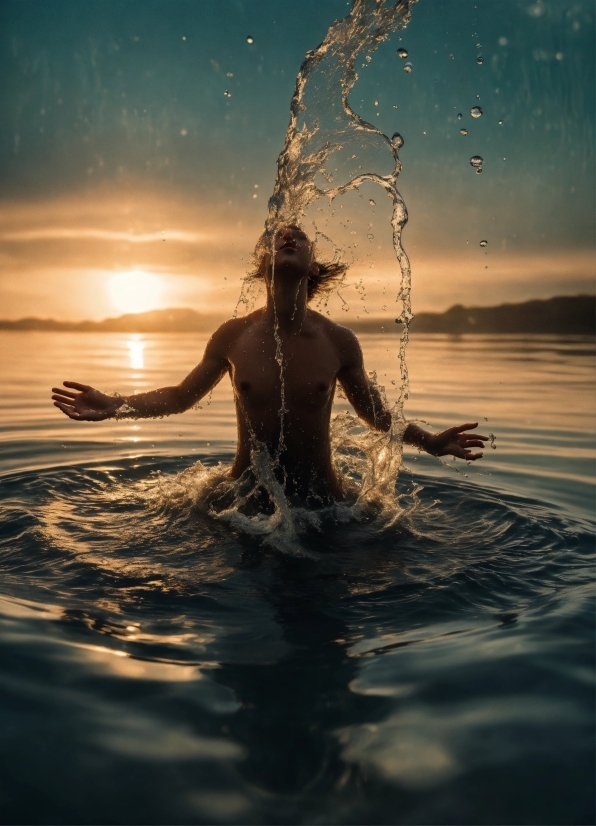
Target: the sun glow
(135, 291)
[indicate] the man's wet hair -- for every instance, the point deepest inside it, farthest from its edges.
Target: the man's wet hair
(331, 273)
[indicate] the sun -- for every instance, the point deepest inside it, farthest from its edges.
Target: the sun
(135, 291)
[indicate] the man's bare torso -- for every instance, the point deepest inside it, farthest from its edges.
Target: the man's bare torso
(311, 360)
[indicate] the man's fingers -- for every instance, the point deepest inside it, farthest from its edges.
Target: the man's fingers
(68, 410)
(77, 386)
(459, 429)
(64, 392)
(471, 457)
(58, 397)
(473, 443)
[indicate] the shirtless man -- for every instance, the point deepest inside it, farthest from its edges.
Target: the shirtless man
(315, 354)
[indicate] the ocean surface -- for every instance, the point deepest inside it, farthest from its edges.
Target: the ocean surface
(161, 665)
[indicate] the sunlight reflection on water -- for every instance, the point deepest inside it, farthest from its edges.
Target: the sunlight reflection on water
(135, 352)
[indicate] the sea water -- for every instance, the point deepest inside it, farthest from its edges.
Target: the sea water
(159, 665)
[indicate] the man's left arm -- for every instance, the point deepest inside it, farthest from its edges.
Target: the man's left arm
(368, 403)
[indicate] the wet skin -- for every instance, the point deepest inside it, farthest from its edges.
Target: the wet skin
(315, 354)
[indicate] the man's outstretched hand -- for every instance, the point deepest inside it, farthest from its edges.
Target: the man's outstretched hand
(455, 441)
(87, 405)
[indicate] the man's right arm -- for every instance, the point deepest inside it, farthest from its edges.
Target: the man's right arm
(88, 404)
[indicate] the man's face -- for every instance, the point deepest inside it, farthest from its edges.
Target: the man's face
(292, 246)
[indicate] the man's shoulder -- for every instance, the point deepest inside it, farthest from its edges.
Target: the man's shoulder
(236, 325)
(337, 332)
(229, 332)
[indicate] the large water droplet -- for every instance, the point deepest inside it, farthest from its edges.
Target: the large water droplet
(370, 236)
(371, 202)
(483, 243)
(376, 102)
(459, 116)
(480, 60)
(463, 131)
(397, 140)
(479, 170)
(250, 40)
(476, 161)
(227, 93)
(476, 112)
(500, 123)
(408, 68)
(402, 53)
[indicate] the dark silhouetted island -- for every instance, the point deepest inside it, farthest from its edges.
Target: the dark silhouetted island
(563, 315)
(155, 321)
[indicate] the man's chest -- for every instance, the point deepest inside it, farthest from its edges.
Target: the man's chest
(309, 367)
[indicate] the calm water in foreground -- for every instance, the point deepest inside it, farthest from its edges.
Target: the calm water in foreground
(160, 666)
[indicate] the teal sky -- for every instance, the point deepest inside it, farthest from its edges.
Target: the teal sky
(108, 100)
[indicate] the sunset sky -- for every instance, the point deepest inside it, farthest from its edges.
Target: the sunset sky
(139, 141)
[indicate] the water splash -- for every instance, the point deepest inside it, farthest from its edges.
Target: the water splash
(326, 135)
(325, 130)
(323, 124)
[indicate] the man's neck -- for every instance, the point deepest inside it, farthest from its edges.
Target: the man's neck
(286, 305)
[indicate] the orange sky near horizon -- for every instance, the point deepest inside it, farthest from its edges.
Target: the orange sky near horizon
(71, 257)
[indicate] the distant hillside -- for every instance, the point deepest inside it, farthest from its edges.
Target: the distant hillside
(154, 321)
(564, 315)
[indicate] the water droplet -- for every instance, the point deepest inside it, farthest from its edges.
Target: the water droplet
(500, 123)
(183, 37)
(184, 132)
(479, 170)
(227, 93)
(402, 53)
(483, 243)
(480, 60)
(368, 58)
(371, 202)
(370, 236)
(476, 161)
(408, 68)
(397, 140)
(463, 131)
(376, 102)
(250, 40)
(459, 116)
(476, 112)
(478, 45)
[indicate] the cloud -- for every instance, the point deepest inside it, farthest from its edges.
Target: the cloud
(90, 233)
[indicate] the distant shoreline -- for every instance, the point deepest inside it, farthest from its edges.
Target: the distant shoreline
(561, 315)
